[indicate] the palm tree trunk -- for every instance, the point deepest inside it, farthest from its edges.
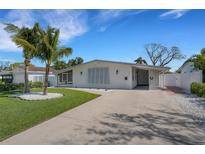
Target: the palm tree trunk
(45, 90)
(26, 86)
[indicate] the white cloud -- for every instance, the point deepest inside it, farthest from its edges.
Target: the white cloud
(174, 13)
(103, 28)
(71, 23)
(106, 15)
(19, 18)
(5, 41)
(106, 18)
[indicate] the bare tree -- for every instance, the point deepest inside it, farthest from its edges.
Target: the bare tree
(154, 51)
(161, 55)
(170, 54)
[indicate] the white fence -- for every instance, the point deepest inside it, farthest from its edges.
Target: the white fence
(182, 80)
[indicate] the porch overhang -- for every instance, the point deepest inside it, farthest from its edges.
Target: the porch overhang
(149, 67)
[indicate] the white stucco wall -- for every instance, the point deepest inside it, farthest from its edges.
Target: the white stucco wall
(182, 80)
(188, 78)
(19, 77)
(172, 79)
(153, 79)
(134, 77)
(116, 80)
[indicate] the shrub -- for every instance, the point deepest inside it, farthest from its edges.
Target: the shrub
(194, 87)
(1, 86)
(36, 84)
(11, 86)
(198, 89)
(20, 86)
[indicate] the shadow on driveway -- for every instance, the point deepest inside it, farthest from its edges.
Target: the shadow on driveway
(167, 128)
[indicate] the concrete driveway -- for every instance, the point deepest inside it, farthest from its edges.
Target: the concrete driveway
(124, 117)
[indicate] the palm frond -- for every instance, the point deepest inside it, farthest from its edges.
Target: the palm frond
(55, 39)
(47, 43)
(11, 28)
(64, 52)
(25, 45)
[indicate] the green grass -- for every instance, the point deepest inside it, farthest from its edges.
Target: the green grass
(17, 115)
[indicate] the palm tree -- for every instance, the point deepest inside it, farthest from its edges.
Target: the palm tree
(78, 60)
(199, 62)
(71, 62)
(203, 52)
(49, 51)
(25, 38)
(140, 60)
(58, 65)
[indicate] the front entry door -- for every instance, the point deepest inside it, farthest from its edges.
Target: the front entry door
(142, 77)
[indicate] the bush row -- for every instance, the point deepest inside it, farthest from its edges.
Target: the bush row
(36, 84)
(11, 86)
(19, 86)
(198, 89)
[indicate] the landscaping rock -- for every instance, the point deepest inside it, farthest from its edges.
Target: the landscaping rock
(39, 96)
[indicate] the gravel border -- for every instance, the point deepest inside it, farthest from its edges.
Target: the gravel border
(34, 96)
(192, 105)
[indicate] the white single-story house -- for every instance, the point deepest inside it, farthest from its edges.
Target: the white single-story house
(35, 74)
(110, 75)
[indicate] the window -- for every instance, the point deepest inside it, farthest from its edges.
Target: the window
(98, 75)
(60, 77)
(65, 77)
(38, 78)
(70, 76)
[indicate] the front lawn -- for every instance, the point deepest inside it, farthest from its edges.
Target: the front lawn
(17, 115)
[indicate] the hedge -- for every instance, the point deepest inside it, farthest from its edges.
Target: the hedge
(19, 86)
(36, 84)
(198, 89)
(11, 86)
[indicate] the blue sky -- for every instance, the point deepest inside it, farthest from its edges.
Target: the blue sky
(118, 35)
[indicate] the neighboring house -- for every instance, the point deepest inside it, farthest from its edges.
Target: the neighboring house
(35, 74)
(187, 74)
(110, 75)
(5, 76)
(187, 67)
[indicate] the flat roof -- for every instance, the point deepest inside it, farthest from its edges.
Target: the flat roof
(34, 69)
(142, 66)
